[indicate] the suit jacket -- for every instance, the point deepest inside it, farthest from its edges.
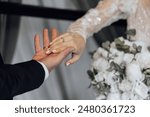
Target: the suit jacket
(1, 60)
(19, 78)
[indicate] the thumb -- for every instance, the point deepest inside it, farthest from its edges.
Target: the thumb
(75, 57)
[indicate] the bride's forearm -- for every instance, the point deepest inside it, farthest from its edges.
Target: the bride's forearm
(95, 19)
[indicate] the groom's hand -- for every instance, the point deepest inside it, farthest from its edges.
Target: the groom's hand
(54, 60)
(51, 60)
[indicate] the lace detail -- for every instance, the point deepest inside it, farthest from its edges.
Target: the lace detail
(106, 12)
(128, 6)
(87, 24)
(140, 21)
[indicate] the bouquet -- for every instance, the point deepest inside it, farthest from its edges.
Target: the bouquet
(121, 70)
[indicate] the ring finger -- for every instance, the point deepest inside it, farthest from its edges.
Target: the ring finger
(58, 38)
(61, 45)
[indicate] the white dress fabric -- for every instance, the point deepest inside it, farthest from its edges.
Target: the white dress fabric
(137, 14)
(108, 11)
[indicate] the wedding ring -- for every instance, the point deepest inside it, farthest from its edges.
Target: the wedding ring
(49, 46)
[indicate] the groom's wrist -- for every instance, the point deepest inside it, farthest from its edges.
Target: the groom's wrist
(45, 70)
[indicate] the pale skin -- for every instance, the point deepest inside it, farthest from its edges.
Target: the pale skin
(77, 41)
(68, 40)
(53, 59)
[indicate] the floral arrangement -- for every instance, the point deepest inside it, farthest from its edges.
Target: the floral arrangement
(121, 70)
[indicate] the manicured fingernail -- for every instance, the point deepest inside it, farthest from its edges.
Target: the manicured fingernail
(67, 64)
(48, 52)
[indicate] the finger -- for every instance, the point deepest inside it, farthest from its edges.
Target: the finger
(57, 39)
(45, 38)
(59, 47)
(53, 49)
(57, 44)
(75, 57)
(37, 45)
(68, 41)
(54, 40)
(64, 54)
(54, 33)
(58, 50)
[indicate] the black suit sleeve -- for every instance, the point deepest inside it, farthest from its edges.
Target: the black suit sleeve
(20, 78)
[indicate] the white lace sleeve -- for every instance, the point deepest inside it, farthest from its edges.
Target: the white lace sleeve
(128, 6)
(106, 12)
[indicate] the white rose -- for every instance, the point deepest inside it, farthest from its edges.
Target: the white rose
(125, 85)
(133, 72)
(101, 64)
(143, 59)
(127, 58)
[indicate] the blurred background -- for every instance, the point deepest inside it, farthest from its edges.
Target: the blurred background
(16, 45)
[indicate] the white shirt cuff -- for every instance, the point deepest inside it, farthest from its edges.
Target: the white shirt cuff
(45, 69)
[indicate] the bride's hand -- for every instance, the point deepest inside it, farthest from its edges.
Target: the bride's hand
(68, 40)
